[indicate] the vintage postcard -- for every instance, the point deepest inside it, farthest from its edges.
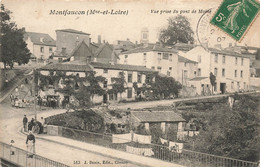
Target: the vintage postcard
(128, 83)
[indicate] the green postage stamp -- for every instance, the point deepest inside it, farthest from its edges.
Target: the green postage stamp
(235, 16)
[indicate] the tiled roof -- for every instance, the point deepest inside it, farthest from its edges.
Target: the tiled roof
(157, 116)
(198, 78)
(73, 31)
(227, 52)
(149, 48)
(68, 66)
(185, 60)
(40, 38)
(124, 67)
(101, 49)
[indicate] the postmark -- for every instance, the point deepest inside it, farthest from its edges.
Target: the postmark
(234, 17)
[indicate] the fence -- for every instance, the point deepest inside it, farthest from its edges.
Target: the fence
(20, 158)
(185, 157)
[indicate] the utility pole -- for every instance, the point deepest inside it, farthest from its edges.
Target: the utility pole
(34, 96)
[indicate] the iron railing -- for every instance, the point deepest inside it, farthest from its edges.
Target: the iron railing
(19, 157)
(186, 157)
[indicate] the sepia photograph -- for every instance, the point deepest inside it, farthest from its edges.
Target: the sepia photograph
(130, 83)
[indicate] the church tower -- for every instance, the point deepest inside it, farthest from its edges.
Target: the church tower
(144, 35)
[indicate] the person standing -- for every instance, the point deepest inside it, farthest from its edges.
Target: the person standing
(30, 143)
(25, 121)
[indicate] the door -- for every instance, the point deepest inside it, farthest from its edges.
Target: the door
(105, 98)
(223, 88)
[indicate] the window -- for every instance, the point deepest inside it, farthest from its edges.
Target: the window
(130, 78)
(223, 59)
(223, 72)
(241, 74)
(235, 73)
(199, 72)
(195, 73)
(216, 58)
(126, 56)
(199, 58)
(153, 67)
(244, 85)
(165, 56)
(185, 74)
(170, 57)
(159, 56)
(215, 86)
(139, 77)
(238, 85)
(232, 85)
(185, 64)
(168, 73)
(63, 50)
(105, 71)
(144, 36)
(236, 60)
(144, 58)
(129, 93)
(215, 71)
(242, 61)
(42, 49)
(170, 68)
(105, 84)
(159, 68)
(50, 49)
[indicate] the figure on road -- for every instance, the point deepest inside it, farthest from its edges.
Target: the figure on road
(30, 143)
(25, 121)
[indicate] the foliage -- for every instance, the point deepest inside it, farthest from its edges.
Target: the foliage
(212, 78)
(94, 87)
(118, 85)
(13, 47)
(165, 87)
(179, 29)
(81, 119)
(230, 132)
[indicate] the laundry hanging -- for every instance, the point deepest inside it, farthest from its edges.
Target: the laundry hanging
(140, 151)
(144, 139)
(163, 141)
(121, 138)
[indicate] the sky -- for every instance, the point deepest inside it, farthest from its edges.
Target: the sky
(35, 16)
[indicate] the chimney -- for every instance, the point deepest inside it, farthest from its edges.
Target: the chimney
(41, 39)
(230, 44)
(99, 39)
(127, 39)
(136, 42)
(89, 40)
(104, 41)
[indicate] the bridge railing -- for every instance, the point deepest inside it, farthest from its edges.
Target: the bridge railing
(183, 157)
(19, 157)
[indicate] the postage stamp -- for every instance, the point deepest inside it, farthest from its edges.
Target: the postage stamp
(235, 17)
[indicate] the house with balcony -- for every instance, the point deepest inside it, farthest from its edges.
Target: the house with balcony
(41, 45)
(232, 70)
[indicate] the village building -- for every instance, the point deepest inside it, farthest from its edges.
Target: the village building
(82, 61)
(123, 45)
(41, 45)
(165, 60)
(232, 70)
(165, 120)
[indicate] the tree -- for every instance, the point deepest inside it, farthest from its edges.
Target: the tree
(119, 84)
(178, 30)
(230, 132)
(13, 47)
(212, 78)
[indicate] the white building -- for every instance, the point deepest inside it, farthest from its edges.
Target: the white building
(162, 59)
(41, 45)
(232, 69)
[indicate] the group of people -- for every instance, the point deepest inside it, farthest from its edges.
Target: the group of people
(17, 102)
(34, 126)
